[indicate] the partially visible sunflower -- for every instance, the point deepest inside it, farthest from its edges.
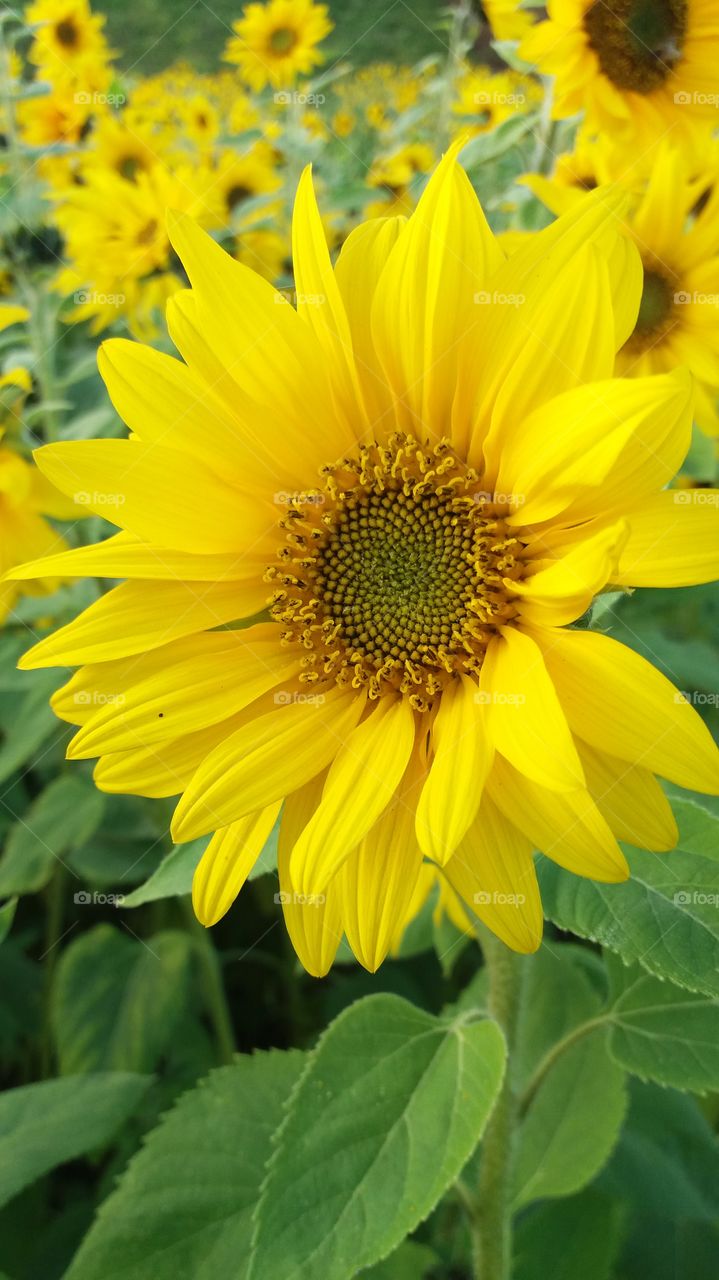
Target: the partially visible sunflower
(424, 475)
(276, 42)
(635, 66)
(674, 219)
(508, 19)
(394, 175)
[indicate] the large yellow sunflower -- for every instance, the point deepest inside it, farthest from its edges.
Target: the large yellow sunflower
(356, 536)
(276, 42)
(68, 39)
(674, 220)
(639, 66)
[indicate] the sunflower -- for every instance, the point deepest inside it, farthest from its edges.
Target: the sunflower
(674, 219)
(69, 38)
(276, 42)
(355, 537)
(239, 179)
(635, 66)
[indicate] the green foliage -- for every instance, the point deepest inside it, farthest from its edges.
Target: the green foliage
(62, 818)
(116, 1000)
(46, 1124)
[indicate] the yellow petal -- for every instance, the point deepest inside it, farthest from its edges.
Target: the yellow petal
(164, 402)
(566, 826)
(157, 493)
(359, 267)
(124, 556)
(362, 780)
(424, 311)
(227, 862)
(525, 717)
(631, 800)
(130, 619)
(462, 758)
(376, 882)
(320, 303)
(616, 701)
(563, 591)
(314, 923)
(204, 680)
(598, 448)
(493, 871)
(673, 540)
(265, 760)
(166, 768)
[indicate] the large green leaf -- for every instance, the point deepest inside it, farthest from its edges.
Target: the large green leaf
(31, 722)
(666, 916)
(572, 1122)
(662, 1032)
(43, 1125)
(184, 1207)
(390, 1107)
(64, 815)
(116, 1000)
(557, 995)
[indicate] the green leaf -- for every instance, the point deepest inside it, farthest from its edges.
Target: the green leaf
(116, 1000)
(662, 1032)
(43, 1125)
(589, 1227)
(64, 815)
(389, 1109)
(7, 915)
(184, 1206)
(173, 877)
(33, 722)
(411, 1261)
(666, 1163)
(572, 1122)
(556, 996)
(666, 916)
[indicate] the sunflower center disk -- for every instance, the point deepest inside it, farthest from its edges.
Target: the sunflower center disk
(656, 310)
(397, 573)
(637, 42)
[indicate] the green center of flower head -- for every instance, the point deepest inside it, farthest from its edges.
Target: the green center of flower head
(637, 42)
(397, 572)
(67, 33)
(655, 309)
(283, 40)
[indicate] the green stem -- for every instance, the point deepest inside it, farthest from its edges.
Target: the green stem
(213, 988)
(492, 1227)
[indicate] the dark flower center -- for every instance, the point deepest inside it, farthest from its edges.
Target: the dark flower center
(638, 42)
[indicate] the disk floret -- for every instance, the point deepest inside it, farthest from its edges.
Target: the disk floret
(397, 571)
(637, 42)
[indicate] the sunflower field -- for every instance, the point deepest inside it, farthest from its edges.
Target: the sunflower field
(359, 640)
